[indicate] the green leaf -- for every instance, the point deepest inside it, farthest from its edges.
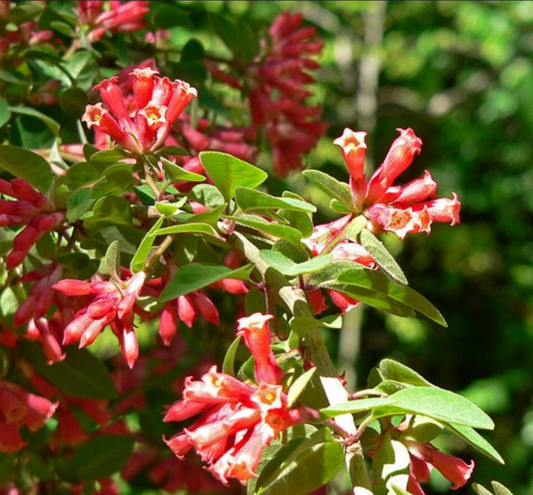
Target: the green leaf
(228, 172)
(339, 207)
(84, 173)
(26, 165)
(278, 230)
(297, 219)
(102, 456)
(5, 112)
(441, 405)
(377, 283)
(24, 12)
(499, 489)
(177, 173)
(82, 67)
(331, 186)
(238, 36)
(12, 78)
(355, 227)
(250, 199)
(112, 209)
(308, 466)
(80, 374)
(197, 228)
(288, 267)
(31, 112)
(80, 264)
(300, 325)
(299, 386)
(473, 438)
(170, 209)
(208, 195)
(113, 183)
(112, 260)
(229, 359)
(355, 406)
(139, 259)
(172, 151)
(383, 258)
(197, 276)
(393, 370)
(73, 101)
(480, 490)
(108, 156)
(79, 203)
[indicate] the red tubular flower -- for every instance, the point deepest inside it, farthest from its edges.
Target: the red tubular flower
(424, 456)
(120, 18)
(399, 157)
(30, 208)
(113, 305)
(354, 151)
(157, 104)
(256, 333)
(237, 420)
(19, 407)
(399, 209)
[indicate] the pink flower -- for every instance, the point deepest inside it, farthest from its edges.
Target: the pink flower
(19, 407)
(113, 305)
(424, 456)
(237, 420)
(157, 104)
(120, 18)
(399, 209)
(30, 208)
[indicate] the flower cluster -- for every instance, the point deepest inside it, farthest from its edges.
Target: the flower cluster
(237, 420)
(32, 209)
(145, 127)
(276, 87)
(399, 209)
(120, 18)
(19, 407)
(113, 305)
(292, 127)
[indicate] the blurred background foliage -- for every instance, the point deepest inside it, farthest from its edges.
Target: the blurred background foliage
(461, 75)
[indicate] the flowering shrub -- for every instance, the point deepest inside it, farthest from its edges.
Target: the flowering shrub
(150, 226)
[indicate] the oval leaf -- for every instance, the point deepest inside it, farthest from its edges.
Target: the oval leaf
(472, 437)
(438, 404)
(80, 374)
(307, 468)
(331, 186)
(102, 456)
(26, 165)
(299, 386)
(383, 258)
(377, 283)
(197, 276)
(250, 199)
(228, 172)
